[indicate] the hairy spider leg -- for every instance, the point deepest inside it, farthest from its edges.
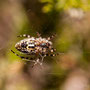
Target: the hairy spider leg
(27, 58)
(53, 50)
(52, 54)
(51, 37)
(24, 35)
(37, 61)
(38, 34)
(42, 56)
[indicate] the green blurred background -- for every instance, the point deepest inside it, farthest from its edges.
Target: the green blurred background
(70, 20)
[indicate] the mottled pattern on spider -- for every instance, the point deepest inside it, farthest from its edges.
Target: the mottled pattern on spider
(40, 47)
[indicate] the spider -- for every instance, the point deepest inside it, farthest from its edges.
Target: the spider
(39, 47)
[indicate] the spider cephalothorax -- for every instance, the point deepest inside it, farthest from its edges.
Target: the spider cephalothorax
(40, 47)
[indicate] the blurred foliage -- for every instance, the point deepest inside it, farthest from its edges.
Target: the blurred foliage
(64, 5)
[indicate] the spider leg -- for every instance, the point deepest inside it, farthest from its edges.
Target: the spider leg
(24, 35)
(38, 34)
(42, 57)
(29, 59)
(26, 58)
(52, 54)
(51, 37)
(53, 50)
(37, 62)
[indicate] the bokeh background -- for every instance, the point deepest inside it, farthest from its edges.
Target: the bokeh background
(70, 20)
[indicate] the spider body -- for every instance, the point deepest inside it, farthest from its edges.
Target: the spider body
(34, 46)
(40, 47)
